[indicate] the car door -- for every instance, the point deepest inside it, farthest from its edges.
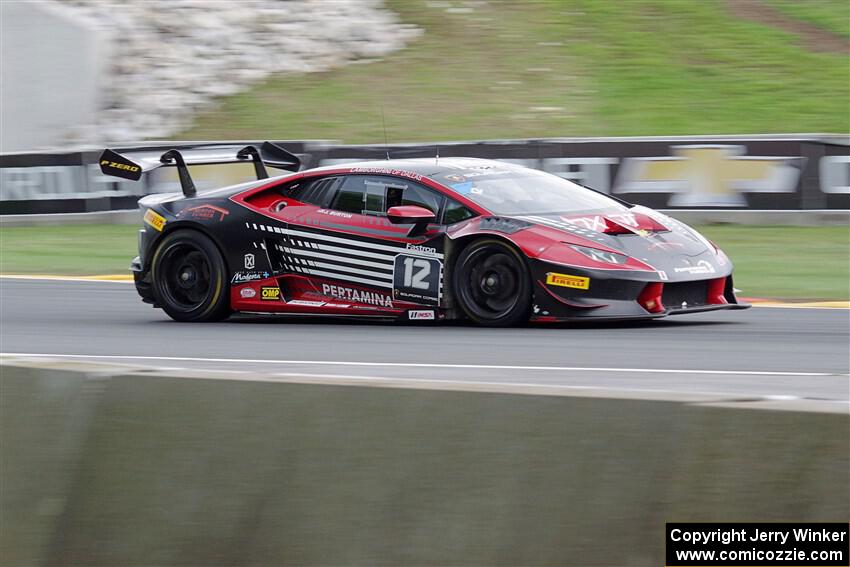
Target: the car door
(347, 243)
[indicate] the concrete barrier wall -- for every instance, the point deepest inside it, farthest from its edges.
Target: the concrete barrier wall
(145, 469)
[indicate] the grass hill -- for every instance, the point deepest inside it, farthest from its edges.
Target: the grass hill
(547, 68)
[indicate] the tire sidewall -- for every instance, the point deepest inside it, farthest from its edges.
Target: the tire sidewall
(521, 311)
(216, 304)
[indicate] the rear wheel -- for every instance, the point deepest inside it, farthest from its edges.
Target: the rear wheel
(188, 274)
(492, 284)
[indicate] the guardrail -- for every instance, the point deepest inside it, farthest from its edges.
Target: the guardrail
(126, 466)
(792, 172)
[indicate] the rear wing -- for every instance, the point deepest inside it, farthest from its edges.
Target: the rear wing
(132, 165)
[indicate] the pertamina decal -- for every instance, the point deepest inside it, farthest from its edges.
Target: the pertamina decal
(565, 280)
(156, 220)
(270, 293)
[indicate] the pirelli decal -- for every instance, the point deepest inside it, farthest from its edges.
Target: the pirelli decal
(566, 280)
(156, 220)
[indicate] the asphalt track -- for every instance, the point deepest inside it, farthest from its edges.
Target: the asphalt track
(762, 353)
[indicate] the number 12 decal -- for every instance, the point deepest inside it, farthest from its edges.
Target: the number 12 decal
(417, 279)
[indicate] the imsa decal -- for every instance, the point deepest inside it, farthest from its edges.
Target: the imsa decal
(565, 280)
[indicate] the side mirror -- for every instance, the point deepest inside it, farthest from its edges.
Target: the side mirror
(419, 217)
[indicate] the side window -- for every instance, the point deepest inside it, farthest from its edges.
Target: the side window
(351, 195)
(405, 193)
(313, 191)
(368, 195)
(455, 212)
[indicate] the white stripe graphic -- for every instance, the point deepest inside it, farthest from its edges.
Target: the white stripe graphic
(346, 278)
(338, 268)
(370, 245)
(334, 257)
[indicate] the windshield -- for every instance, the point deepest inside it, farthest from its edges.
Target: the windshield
(521, 191)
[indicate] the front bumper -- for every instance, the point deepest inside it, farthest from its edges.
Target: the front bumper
(564, 293)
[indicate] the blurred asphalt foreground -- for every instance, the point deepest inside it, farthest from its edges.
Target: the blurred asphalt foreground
(151, 464)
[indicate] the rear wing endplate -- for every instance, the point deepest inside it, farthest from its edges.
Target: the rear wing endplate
(131, 165)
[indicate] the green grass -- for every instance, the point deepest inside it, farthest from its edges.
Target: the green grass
(68, 250)
(777, 262)
(787, 262)
(560, 68)
(832, 15)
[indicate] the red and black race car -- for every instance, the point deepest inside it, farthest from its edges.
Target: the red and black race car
(413, 239)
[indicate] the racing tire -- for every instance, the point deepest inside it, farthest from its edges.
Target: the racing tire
(189, 278)
(492, 284)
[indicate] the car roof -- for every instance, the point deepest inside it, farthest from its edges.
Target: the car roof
(426, 167)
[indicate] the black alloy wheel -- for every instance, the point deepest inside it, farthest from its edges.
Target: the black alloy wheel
(188, 274)
(492, 284)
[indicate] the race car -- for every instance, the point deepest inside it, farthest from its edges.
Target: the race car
(426, 239)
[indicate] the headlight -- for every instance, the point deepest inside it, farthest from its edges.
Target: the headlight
(600, 255)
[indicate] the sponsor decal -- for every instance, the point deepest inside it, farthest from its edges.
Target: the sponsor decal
(701, 267)
(123, 166)
(249, 262)
(596, 222)
(387, 171)
(270, 293)
(424, 250)
(417, 279)
(245, 277)
(566, 280)
(247, 292)
(421, 315)
(334, 213)
(662, 275)
(156, 220)
(357, 296)
(205, 212)
(706, 175)
(305, 303)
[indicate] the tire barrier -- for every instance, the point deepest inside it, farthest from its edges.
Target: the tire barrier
(117, 466)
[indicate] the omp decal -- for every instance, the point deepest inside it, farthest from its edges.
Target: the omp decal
(156, 220)
(566, 280)
(270, 293)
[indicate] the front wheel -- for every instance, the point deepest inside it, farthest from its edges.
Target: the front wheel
(492, 284)
(188, 274)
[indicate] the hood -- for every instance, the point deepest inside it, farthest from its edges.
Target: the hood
(655, 239)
